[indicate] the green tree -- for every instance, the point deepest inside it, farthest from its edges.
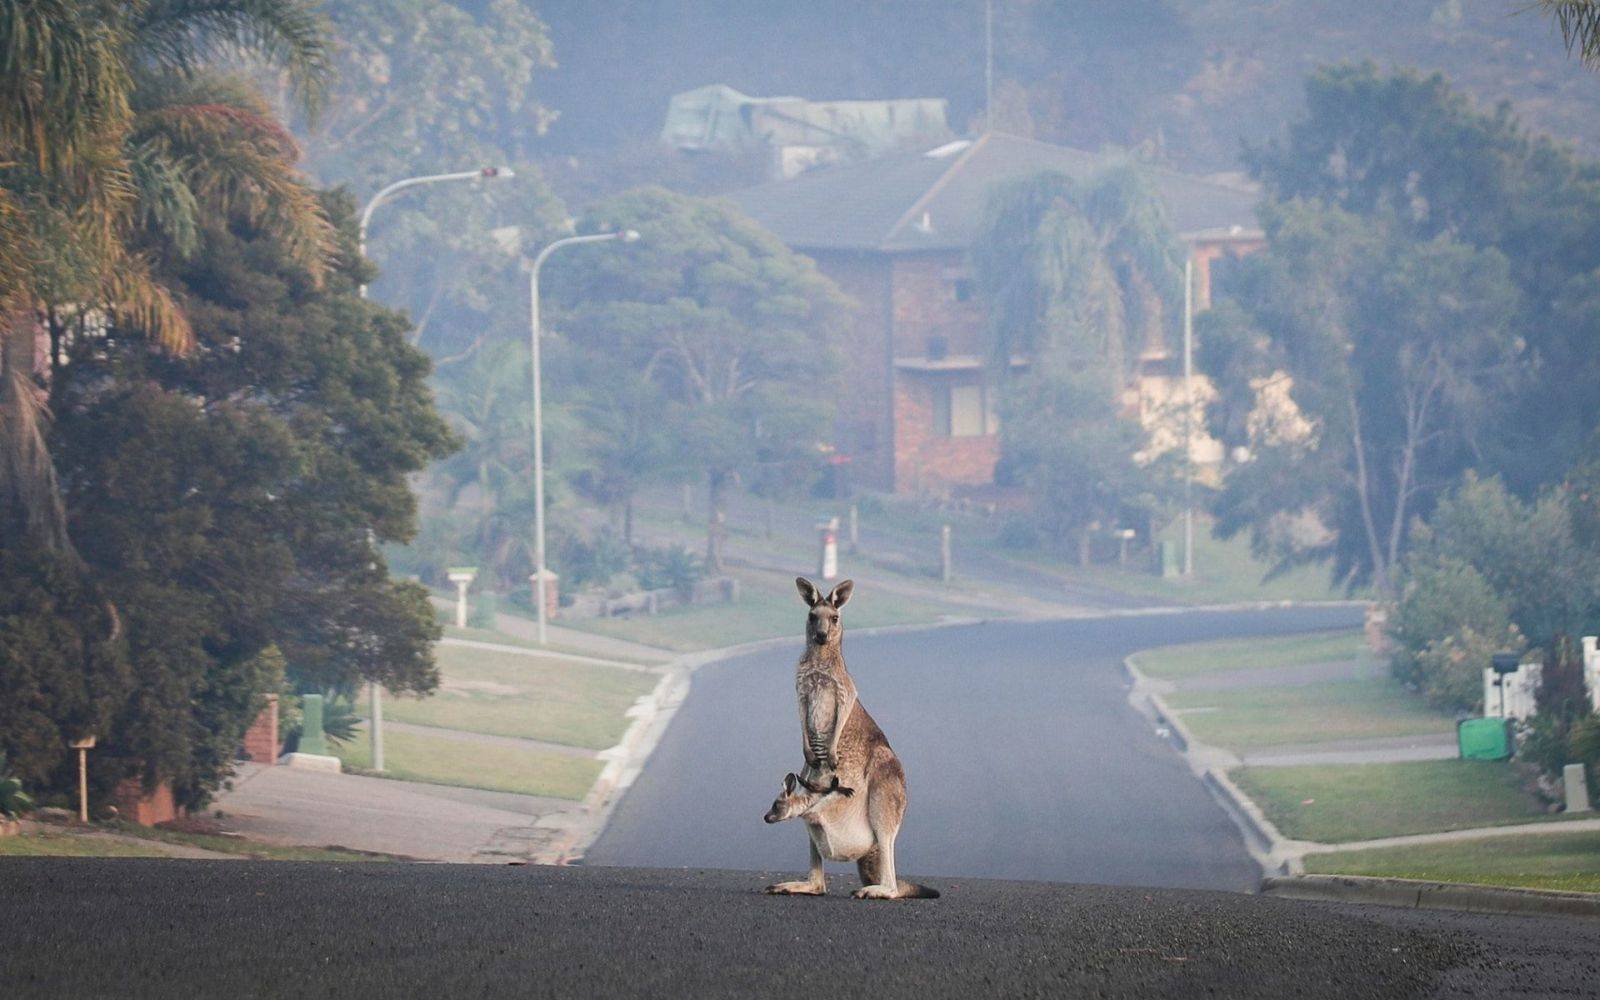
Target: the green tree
(223, 503)
(427, 87)
(1081, 277)
(728, 323)
(109, 136)
(1406, 153)
(1395, 352)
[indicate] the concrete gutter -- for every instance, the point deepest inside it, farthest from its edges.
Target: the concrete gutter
(1275, 853)
(1420, 895)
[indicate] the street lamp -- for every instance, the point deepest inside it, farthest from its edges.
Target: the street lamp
(626, 236)
(482, 173)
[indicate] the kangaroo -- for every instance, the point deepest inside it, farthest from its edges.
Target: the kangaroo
(852, 791)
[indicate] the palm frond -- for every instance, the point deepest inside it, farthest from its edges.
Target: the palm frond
(237, 161)
(140, 301)
(63, 83)
(1579, 21)
(27, 474)
(185, 35)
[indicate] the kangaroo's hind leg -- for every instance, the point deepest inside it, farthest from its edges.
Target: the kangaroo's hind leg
(885, 807)
(817, 885)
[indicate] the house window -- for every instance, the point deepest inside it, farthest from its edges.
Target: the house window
(963, 411)
(963, 289)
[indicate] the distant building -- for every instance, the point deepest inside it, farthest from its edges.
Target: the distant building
(917, 412)
(796, 134)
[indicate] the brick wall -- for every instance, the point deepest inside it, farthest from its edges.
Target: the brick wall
(928, 462)
(926, 305)
(136, 805)
(863, 427)
(261, 743)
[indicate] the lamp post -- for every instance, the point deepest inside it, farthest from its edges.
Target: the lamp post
(482, 173)
(626, 236)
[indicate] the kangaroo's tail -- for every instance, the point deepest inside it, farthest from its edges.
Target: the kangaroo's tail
(911, 890)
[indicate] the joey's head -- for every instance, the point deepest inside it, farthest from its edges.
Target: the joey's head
(793, 800)
(824, 626)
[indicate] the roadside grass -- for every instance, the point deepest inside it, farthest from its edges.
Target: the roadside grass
(245, 848)
(127, 840)
(1178, 662)
(1249, 718)
(768, 607)
(512, 694)
(1567, 861)
(1334, 803)
(443, 759)
(60, 844)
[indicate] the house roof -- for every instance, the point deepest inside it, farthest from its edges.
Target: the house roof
(935, 200)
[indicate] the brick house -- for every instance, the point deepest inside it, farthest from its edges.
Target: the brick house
(917, 413)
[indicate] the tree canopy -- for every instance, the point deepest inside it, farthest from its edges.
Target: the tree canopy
(730, 325)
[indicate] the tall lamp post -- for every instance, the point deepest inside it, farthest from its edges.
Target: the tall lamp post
(626, 236)
(482, 173)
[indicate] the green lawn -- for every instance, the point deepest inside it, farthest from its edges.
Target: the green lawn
(768, 607)
(443, 759)
(1178, 662)
(1249, 718)
(1569, 861)
(1332, 803)
(511, 694)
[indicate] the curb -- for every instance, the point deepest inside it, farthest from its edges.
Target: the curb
(1268, 847)
(1420, 895)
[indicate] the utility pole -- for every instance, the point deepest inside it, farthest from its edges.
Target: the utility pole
(1188, 417)
(988, 65)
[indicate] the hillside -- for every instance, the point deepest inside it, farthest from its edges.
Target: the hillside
(1184, 79)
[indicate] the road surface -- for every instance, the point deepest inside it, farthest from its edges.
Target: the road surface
(168, 928)
(1024, 759)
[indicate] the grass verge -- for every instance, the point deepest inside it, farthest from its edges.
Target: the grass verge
(511, 694)
(445, 759)
(1567, 861)
(1249, 718)
(61, 844)
(1335, 803)
(1196, 659)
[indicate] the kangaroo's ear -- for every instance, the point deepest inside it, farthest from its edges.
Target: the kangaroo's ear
(841, 593)
(808, 591)
(789, 781)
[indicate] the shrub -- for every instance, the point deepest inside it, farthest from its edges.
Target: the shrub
(671, 566)
(13, 800)
(1446, 625)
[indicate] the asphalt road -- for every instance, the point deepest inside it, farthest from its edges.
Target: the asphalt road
(1023, 757)
(167, 928)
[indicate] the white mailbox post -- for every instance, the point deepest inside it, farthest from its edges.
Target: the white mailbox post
(462, 577)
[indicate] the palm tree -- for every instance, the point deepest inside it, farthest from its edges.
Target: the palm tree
(1086, 271)
(1579, 21)
(115, 145)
